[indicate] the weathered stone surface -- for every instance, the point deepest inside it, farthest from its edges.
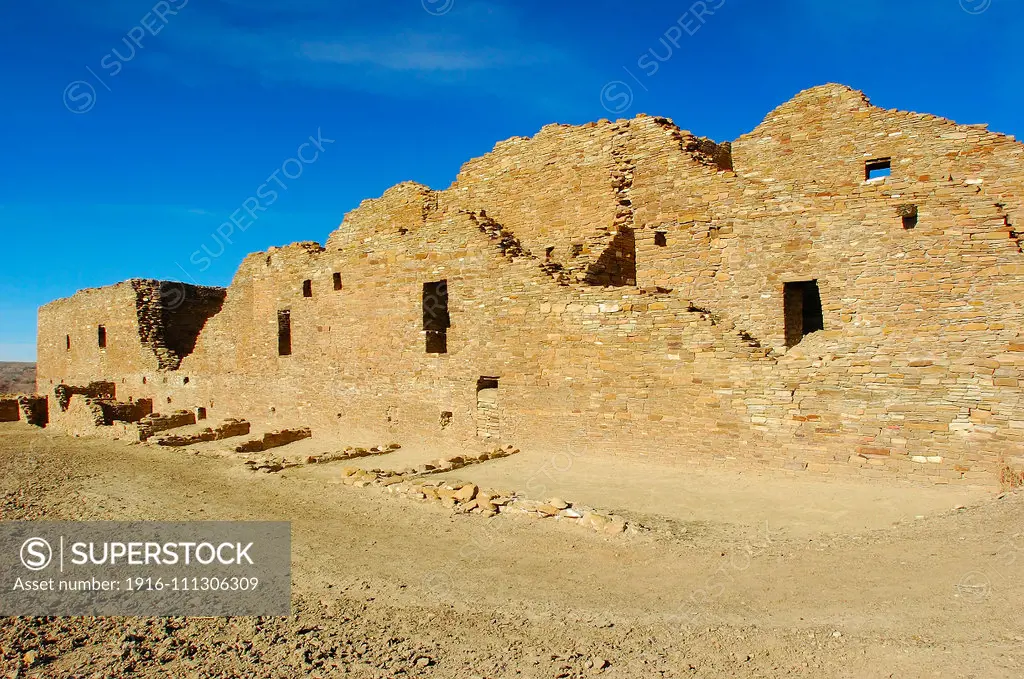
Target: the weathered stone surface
(227, 429)
(274, 439)
(625, 287)
(466, 493)
(156, 423)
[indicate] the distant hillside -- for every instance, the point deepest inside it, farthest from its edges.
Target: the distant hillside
(17, 378)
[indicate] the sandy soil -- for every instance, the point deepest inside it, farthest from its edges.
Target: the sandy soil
(839, 580)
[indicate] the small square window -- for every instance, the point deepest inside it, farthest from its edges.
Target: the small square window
(660, 239)
(878, 169)
(908, 213)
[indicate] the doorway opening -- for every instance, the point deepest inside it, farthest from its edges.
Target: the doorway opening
(803, 312)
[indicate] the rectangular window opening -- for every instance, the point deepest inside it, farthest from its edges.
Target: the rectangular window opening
(437, 342)
(101, 337)
(67, 339)
(307, 288)
(908, 213)
(436, 319)
(284, 333)
(803, 311)
(660, 239)
(337, 281)
(877, 169)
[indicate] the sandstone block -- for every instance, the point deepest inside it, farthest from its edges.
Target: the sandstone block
(466, 493)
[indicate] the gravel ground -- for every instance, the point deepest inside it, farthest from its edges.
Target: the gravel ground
(388, 587)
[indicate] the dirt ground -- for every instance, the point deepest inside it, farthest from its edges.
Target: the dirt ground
(737, 575)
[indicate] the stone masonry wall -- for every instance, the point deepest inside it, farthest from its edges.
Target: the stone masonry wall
(623, 283)
(147, 328)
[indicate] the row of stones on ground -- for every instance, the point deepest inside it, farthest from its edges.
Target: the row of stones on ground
(438, 466)
(272, 466)
(467, 498)
(350, 453)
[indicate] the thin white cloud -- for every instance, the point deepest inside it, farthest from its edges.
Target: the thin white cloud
(482, 46)
(398, 58)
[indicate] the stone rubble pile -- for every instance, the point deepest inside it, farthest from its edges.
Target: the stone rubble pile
(468, 498)
(270, 466)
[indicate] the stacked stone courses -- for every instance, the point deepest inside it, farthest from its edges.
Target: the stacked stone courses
(624, 284)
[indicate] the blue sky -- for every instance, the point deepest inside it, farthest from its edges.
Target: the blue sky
(133, 129)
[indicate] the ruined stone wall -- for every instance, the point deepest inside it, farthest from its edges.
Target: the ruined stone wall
(915, 362)
(559, 192)
(77, 320)
(9, 410)
(147, 327)
(358, 363)
(821, 139)
(623, 285)
(171, 316)
(615, 369)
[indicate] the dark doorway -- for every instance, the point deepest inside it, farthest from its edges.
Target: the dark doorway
(284, 333)
(437, 342)
(803, 313)
(101, 337)
(436, 320)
